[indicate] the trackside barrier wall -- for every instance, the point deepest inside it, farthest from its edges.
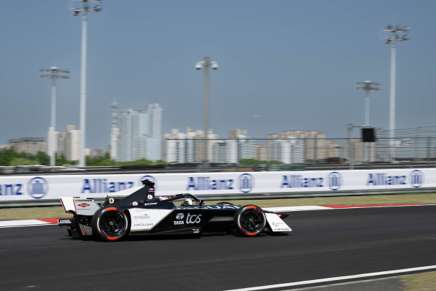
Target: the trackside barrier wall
(49, 187)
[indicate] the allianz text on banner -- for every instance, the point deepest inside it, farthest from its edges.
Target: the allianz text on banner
(19, 188)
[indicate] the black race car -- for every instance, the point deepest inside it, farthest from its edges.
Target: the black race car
(140, 212)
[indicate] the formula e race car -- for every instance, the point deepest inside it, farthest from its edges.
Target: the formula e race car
(138, 211)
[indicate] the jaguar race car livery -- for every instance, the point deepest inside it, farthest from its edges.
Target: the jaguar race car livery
(138, 211)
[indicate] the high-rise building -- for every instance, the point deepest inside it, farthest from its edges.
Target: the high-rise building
(72, 143)
(176, 145)
(60, 143)
(154, 140)
(192, 145)
(115, 132)
(289, 147)
(29, 145)
(232, 151)
(245, 148)
(315, 145)
(225, 151)
(68, 143)
(136, 134)
(287, 151)
(189, 147)
(261, 153)
(219, 152)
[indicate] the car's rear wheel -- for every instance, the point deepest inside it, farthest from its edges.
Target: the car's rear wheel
(110, 224)
(250, 220)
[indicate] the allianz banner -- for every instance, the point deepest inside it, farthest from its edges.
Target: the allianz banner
(19, 188)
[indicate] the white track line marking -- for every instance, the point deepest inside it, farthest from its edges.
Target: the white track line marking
(344, 207)
(23, 223)
(296, 208)
(340, 278)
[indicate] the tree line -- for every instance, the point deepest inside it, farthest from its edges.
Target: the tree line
(10, 157)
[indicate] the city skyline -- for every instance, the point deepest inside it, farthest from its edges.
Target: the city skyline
(279, 70)
(136, 133)
(178, 146)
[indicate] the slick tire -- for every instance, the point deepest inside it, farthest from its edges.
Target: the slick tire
(110, 224)
(250, 221)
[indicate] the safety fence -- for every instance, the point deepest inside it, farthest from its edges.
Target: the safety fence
(301, 152)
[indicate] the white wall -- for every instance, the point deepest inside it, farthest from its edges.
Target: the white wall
(14, 188)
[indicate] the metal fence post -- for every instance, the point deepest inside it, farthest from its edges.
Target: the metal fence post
(349, 144)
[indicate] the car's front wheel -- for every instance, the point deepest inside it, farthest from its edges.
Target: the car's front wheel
(110, 224)
(250, 220)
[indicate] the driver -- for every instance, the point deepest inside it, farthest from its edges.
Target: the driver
(151, 201)
(151, 198)
(150, 190)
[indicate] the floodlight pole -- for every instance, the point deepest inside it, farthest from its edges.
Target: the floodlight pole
(83, 54)
(367, 109)
(52, 129)
(206, 86)
(53, 105)
(368, 87)
(206, 64)
(392, 99)
(53, 73)
(396, 33)
(86, 7)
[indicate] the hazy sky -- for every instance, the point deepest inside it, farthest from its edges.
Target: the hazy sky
(283, 64)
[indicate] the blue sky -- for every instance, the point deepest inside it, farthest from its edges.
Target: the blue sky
(283, 64)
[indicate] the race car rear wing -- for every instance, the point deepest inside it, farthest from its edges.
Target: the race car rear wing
(68, 204)
(80, 206)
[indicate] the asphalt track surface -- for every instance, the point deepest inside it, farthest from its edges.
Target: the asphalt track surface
(324, 244)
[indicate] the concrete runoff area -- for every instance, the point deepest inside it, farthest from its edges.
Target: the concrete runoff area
(419, 282)
(385, 284)
(423, 198)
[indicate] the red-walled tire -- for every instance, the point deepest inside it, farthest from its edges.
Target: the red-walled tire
(250, 220)
(110, 224)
